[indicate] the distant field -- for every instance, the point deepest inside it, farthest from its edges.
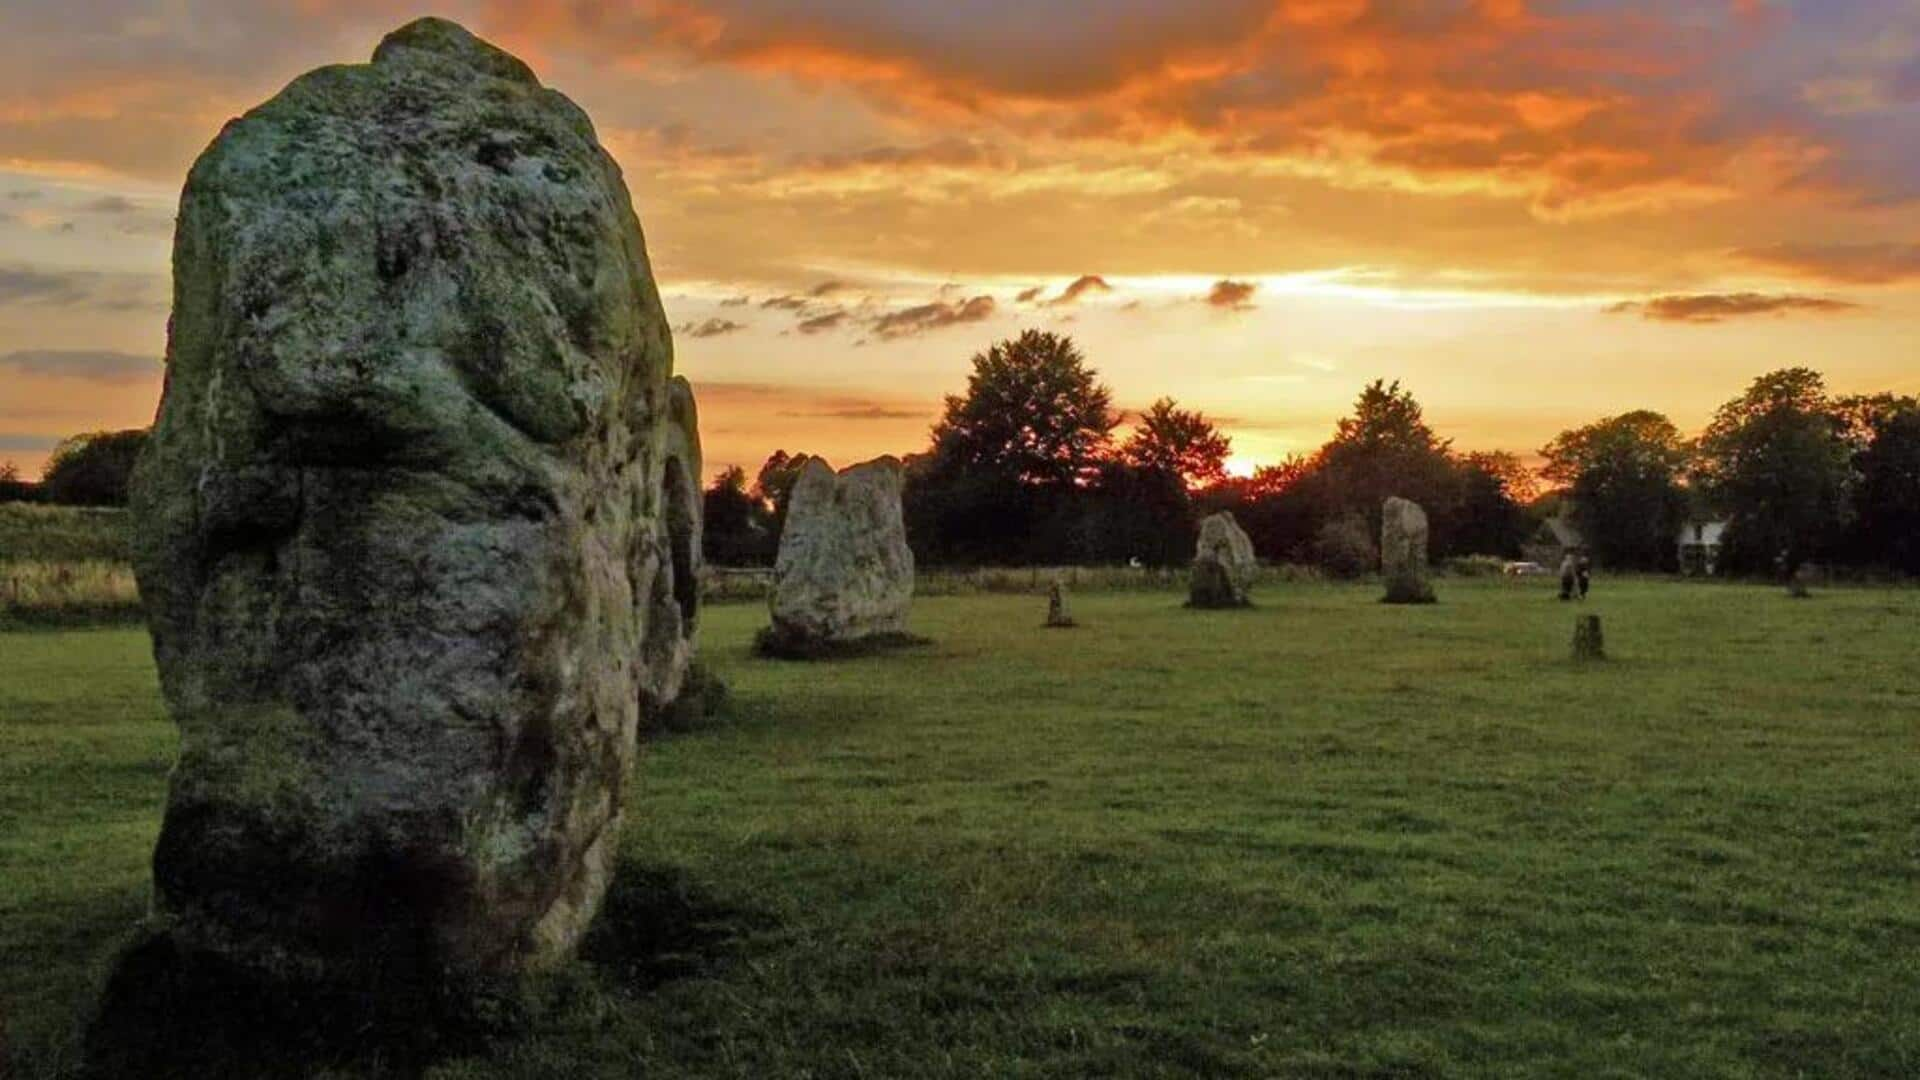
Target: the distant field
(1324, 837)
(64, 564)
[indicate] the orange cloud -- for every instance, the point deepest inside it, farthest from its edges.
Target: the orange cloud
(1079, 287)
(1577, 112)
(1850, 264)
(1716, 307)
(1231, 295)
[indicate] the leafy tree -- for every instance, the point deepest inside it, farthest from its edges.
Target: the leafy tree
(1180, 442)
(1778, 462)
(1622, 477)
(1886, 464)
(774, 484)
(92, 469)
(1386, 448)
(1492, 518)
(14, 489)
(736, 523)
(1278, 506)
(1138, 512)
(1033, 413)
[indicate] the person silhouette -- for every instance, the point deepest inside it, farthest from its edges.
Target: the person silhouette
(1569, 569)
(1583, 571)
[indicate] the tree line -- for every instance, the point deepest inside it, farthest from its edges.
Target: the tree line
(1025, 467)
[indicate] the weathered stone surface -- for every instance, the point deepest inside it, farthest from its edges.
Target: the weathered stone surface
(844, 573)
(1059, 614)
(1403, 552)
(419, 524)
(1223, 565)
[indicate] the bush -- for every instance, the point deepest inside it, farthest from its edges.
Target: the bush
(1475, 566)
(1344, 548)
(93, 469)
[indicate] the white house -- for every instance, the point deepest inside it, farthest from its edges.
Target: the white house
(1699, 543)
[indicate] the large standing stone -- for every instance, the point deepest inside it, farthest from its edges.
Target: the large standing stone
(844, 574)
(1223, 565)
(418, 525)
(1403, 552)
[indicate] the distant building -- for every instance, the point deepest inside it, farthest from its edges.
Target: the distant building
(1552, 541)
(1699, 544)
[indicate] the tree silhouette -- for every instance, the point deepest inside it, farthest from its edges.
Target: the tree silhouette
(1179, 442)
(736, 525)
(1622, 476)
(92, 469)
(1033, 413)
(1386, 448)
(1777, 460)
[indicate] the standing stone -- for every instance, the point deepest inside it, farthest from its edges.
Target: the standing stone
(1588, 641)
(1059, 617)
(1223, 565)
(1403, 552)
(844, 575)
(418, 529)
(673, 607)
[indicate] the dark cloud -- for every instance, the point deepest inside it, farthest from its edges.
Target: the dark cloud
(827, 288)
(25, 194)
(820, 324)
(860, 412)
(804, 402)
(783, 303)
(1715, 307)
(736, 301)
(1080, 286)
(15, 441)
(1027, 296)
(925, 317)
(26, 285)
(23, 285)
(95, 365)
(1852, 264)
(711, 328)
(111, 205)
(1231, 295)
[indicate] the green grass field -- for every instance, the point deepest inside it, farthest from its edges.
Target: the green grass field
(1324, 837)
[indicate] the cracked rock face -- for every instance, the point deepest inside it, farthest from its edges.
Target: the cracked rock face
(844, 572)
(419, 525)
(1403, 552)
(1223, 565)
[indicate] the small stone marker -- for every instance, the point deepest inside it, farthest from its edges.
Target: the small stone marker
(1588, 642)
(1058, 617)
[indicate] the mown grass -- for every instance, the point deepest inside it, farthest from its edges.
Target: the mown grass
(1323, 837)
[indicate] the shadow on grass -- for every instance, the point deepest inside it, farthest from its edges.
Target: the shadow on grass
(172, 1011)
(772, 644)
(658, 925)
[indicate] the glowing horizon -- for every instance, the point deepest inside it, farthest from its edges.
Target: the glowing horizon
(1531, 214)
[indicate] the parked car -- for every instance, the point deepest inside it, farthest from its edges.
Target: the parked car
(1523, 569)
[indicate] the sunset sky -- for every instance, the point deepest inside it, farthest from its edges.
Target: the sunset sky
(1533, 214)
